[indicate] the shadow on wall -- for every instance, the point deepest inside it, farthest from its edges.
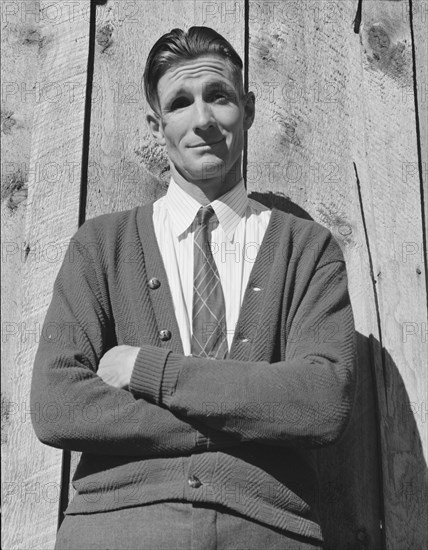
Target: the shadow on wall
(353, 494)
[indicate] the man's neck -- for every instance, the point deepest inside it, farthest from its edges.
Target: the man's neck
(207, 190)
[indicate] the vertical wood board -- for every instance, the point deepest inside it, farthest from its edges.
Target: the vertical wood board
(20, 45)
(31, 477)
(126, 166)
(420, 28)
(392, 202)
(304, 69)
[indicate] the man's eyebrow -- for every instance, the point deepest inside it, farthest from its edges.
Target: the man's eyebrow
(219, 84)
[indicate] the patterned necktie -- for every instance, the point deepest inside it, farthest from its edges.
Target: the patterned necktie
(209, 337)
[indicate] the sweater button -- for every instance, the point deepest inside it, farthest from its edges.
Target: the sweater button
(194, 482)
(165, 335)
(154, 283)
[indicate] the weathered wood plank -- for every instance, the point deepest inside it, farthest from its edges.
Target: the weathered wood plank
(304, 67)
(392, 202)
(20, 52)
(32, 472)
(126, 167)
(419, 21)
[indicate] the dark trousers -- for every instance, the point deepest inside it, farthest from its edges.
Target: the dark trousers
(173, 526)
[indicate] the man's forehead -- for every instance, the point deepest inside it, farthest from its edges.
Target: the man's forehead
(211, 67)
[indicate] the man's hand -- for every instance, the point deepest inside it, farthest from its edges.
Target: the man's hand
(117, 364)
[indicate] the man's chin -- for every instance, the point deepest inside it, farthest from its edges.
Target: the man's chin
(211, 169)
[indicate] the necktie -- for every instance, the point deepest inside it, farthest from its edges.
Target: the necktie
(209, 337)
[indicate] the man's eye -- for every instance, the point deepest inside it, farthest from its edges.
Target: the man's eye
(221, 97)
(179, 103)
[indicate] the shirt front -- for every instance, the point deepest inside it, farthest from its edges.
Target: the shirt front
(235, 241)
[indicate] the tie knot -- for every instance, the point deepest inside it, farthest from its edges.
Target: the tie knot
(204, 214)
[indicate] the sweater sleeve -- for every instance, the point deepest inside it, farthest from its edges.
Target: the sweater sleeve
(73, 408)
(304, 400)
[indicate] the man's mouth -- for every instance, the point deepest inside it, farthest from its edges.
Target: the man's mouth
(206, 144)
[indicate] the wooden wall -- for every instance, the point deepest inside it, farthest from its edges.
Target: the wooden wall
(340, 136)
(47, 54)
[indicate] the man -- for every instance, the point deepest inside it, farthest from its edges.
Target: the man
(193, 375)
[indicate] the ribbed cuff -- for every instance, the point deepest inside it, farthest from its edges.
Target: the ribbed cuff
(146, 378)
(172, 369)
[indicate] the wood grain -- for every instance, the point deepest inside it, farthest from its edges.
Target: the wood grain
(392, 202)
(305, 70)
(419, 23)
(31, 474)
(126, 167)
(20, 54)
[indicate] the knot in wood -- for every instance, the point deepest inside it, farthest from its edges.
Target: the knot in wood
(379, 40)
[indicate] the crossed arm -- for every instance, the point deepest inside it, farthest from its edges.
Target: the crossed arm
(177, 405)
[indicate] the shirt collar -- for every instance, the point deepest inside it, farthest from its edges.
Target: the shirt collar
(230, 208)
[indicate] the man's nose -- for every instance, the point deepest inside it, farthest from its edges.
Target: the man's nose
(203, 115)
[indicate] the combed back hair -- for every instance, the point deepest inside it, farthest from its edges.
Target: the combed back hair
(178, 46)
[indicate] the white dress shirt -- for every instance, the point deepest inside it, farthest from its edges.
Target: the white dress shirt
(235, 241)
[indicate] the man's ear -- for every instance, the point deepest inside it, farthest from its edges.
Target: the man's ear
(155, 125)
(249, 110)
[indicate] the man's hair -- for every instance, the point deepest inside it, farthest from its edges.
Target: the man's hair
(178, 46)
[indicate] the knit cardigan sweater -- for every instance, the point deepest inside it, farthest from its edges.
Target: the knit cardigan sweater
(236, 432)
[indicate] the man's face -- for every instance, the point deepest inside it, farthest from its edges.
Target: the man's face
(203, 120)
